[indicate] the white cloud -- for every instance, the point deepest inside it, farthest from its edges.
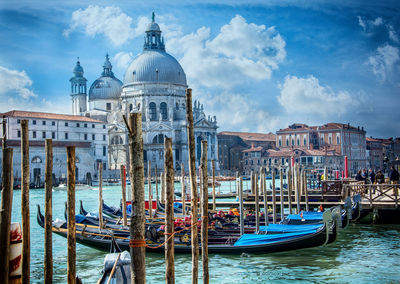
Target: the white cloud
(122, 59)
(384, 60)
(241, 51)
(392, 33)
(307, 97)
(109, 21)
(369, 25)
(15, 82)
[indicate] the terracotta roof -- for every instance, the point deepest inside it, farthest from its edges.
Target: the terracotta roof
(370, 139)
(254, 149)
(249, 136)
(327, 126)
(304, 152)
(46, 115)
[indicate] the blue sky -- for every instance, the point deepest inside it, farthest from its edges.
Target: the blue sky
(257, 67)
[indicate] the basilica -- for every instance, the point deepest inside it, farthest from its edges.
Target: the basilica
(154, 84)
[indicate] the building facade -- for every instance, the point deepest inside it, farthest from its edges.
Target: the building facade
(89, 136)
(155, 85)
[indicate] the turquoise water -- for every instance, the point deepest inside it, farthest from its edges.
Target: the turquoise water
(362, 253)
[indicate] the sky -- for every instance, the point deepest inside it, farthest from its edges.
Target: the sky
(258, 66)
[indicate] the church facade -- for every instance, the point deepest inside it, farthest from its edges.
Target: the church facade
(155, 85)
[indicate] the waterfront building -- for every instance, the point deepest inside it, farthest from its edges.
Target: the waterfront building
(231, 144)
(89, 136)
(276, 159)
(344, 139)
(374, 153)
(155, 85)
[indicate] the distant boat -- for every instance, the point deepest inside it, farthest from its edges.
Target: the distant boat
(63, 186)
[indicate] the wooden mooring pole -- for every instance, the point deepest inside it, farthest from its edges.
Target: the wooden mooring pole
(150, 188)
(71, 237)
(204, 212)
(26, 239)
(123, 189)
(241, 204)
(48, 216)
(156, 176)
(298, 183)
(282, 197)
(306, 190)
(257, 203)
(183, 189)
(264, 193)
(273, 197)
(100, 165)
(193, 184)
(169, 212)
(162, 177)
(5, 213)
(290, 188)
(213, 186)
(137, 242)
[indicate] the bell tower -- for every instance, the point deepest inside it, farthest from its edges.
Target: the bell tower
(78, 90)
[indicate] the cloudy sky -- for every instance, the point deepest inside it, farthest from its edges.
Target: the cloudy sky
(257, 67)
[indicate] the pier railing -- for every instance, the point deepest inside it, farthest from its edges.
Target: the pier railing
(375, 194)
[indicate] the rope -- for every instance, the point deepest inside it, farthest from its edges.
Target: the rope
(137, 243)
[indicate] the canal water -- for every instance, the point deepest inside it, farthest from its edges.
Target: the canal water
(362, 253)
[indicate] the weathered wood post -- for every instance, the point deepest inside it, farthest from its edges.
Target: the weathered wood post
(282, 197)
(257, 203)
(252, 182)
(162, 177)
(123, 187)
(150, 188)
(26, 239)
(71, 237)
(156, 176)
(298, 183)
(204, 212)
(48, 245)
(169, 212)
(241, 204)
(183, 189)
(5, 213)
(306, 191)
(192, 173)
(213, 185)
(100, 165)
(290, 188)
(4, 138)
(273, 198)
(137, 242)
(264, 192)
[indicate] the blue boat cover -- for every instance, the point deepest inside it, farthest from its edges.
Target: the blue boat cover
(306, 216)
(79, 218)
(283, 228)
(253, 239)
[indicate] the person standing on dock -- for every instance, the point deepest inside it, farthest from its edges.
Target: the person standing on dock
(371, 176)
(394, 176)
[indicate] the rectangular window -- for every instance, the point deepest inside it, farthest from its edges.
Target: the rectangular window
(53, 135)
(177, 154)
(53, 123)
(287, 141)
(93, 126)
(34, 122)
(44, 122)
(44, 135)
(108, 106)
(258, 162)
(93, 136)
(85, 125)
(104, 166)
(337, 139)
(85, 136)
(19, 133)
(104, 126)
(66, 136)
(104, 137)
(247, 162)
(282, 161)
(305, 141)
(251, 161)
(298, 141)
(66, 124)
(280, 143)
(77, 125)
(18, 121)
(104, 150)
(34, 134)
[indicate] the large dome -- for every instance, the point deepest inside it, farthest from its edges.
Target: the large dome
(155, 66)
(107, 86)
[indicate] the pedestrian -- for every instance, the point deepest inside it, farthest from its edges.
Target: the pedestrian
(359, 176)
(394, 179)
(371, 176)
(380, 178)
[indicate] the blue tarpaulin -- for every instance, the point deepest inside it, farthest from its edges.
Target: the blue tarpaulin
(306, 216)
(289, 228)
(253, 239)
(79, 218)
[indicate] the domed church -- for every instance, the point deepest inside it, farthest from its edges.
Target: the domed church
(154, 84)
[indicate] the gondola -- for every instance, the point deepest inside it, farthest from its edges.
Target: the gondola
(247, 243)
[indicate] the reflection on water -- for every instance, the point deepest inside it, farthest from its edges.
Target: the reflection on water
(362, 253)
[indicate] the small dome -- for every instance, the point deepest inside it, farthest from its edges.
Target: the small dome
(105, 88)
(155, 66)
(78, 70)
(153, 27)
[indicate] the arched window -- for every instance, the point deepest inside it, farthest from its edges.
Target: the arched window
(159, 139)
(177, 105)
(36, 159)
(116, 140)
(130, 107)
(164, 111)
(153, 111)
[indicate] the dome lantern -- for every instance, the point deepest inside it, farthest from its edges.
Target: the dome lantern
(107, 68)
(153, 39)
